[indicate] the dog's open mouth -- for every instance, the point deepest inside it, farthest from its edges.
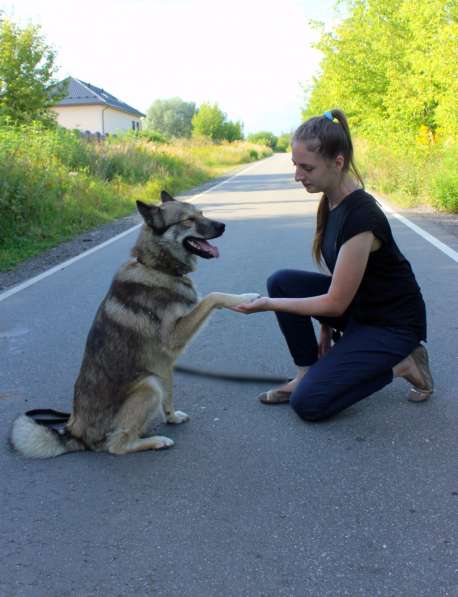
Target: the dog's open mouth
(201, 247)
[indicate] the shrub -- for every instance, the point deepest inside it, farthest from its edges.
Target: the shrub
(263, 138)
(283, 142)
(444, 181)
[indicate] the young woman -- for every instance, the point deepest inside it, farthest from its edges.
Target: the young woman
(371, 309)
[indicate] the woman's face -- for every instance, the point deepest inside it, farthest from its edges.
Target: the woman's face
(317, 174)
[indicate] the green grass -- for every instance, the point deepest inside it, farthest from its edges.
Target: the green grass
(411, 176)
(56, 185)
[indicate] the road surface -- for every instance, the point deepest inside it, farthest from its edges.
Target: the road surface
(251, 501)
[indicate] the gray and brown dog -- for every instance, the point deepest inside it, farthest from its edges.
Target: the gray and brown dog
(147, 318)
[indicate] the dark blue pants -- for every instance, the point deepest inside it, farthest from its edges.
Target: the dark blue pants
(358, 364)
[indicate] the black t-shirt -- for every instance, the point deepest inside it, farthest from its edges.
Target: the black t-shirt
(388, 294)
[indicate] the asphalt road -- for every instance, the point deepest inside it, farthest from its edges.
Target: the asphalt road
(251, 501)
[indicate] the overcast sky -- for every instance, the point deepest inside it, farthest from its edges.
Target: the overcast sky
(252, 57)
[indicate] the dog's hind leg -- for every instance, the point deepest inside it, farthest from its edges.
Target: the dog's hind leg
(144, 402)
(171, 415)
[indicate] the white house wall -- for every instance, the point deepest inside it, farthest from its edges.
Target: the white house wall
(116, 121)
(84, 118)
(96, 119)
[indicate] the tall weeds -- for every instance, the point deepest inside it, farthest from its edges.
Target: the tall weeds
(412, 176)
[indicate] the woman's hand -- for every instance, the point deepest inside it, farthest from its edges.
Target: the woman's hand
(260, 304)
(325, 340)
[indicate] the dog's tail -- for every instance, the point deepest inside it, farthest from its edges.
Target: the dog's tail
(37, 441)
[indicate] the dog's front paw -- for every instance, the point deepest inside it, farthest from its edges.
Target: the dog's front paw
(249, 297)
(239, 299)
(177, 417)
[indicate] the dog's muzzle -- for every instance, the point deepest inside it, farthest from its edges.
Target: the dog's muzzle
(201, 246)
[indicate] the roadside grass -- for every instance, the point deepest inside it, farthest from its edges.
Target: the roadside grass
(56, 185)
(411, 176)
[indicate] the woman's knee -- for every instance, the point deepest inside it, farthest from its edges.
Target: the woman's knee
(276, 281)
(296, 283)
(308, 407)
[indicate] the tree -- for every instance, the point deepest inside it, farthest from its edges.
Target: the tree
(283, 142)
(27, 68)
(233, 131)
(171, 117)
(392, 66)
(209, 122)
(264, 138)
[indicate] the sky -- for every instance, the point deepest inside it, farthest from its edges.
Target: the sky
(251, 57)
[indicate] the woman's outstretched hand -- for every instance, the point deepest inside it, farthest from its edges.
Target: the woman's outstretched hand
(260, 304)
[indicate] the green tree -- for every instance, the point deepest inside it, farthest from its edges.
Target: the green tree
(264, 138)
(392, 65)
(283, 142)
(209, 121)
(27, 68)
(171, 117)
(233, 131)
(356, 58)
(425, 90)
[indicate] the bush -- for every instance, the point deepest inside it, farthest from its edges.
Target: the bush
(411, 175)
(444, 181)
(147, 135)
(283, 143)
(263, 138)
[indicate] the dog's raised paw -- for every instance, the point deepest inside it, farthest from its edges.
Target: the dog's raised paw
(177, 417)
(249, 297)
(241, 299)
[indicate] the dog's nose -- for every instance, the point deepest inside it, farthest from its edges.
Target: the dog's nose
(220, 227)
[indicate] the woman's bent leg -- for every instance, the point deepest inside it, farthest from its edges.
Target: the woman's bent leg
(298, 329)
(357, 366)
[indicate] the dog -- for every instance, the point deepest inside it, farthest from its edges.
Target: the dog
(144, 323)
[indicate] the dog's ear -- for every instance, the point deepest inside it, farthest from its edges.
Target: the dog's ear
(153, 216)
(144, 209)
(165, 197)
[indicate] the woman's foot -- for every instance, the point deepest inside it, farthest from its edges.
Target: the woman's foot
(282, 394)
(415, 369)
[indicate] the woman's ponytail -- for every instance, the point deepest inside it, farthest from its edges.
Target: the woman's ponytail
(329, 135)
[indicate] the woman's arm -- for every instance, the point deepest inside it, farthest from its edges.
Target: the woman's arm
(349, 270)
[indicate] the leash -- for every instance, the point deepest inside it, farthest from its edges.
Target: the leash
(244, 377)
(47, 417)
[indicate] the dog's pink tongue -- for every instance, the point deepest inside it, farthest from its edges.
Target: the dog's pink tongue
(206, 246)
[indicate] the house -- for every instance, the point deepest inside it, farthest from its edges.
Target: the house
(89, 108)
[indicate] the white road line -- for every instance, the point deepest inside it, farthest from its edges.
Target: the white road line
(426, 235)
(65, 264)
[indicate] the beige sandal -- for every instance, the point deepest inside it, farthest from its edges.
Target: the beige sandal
(423, 392)
(274, 397)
